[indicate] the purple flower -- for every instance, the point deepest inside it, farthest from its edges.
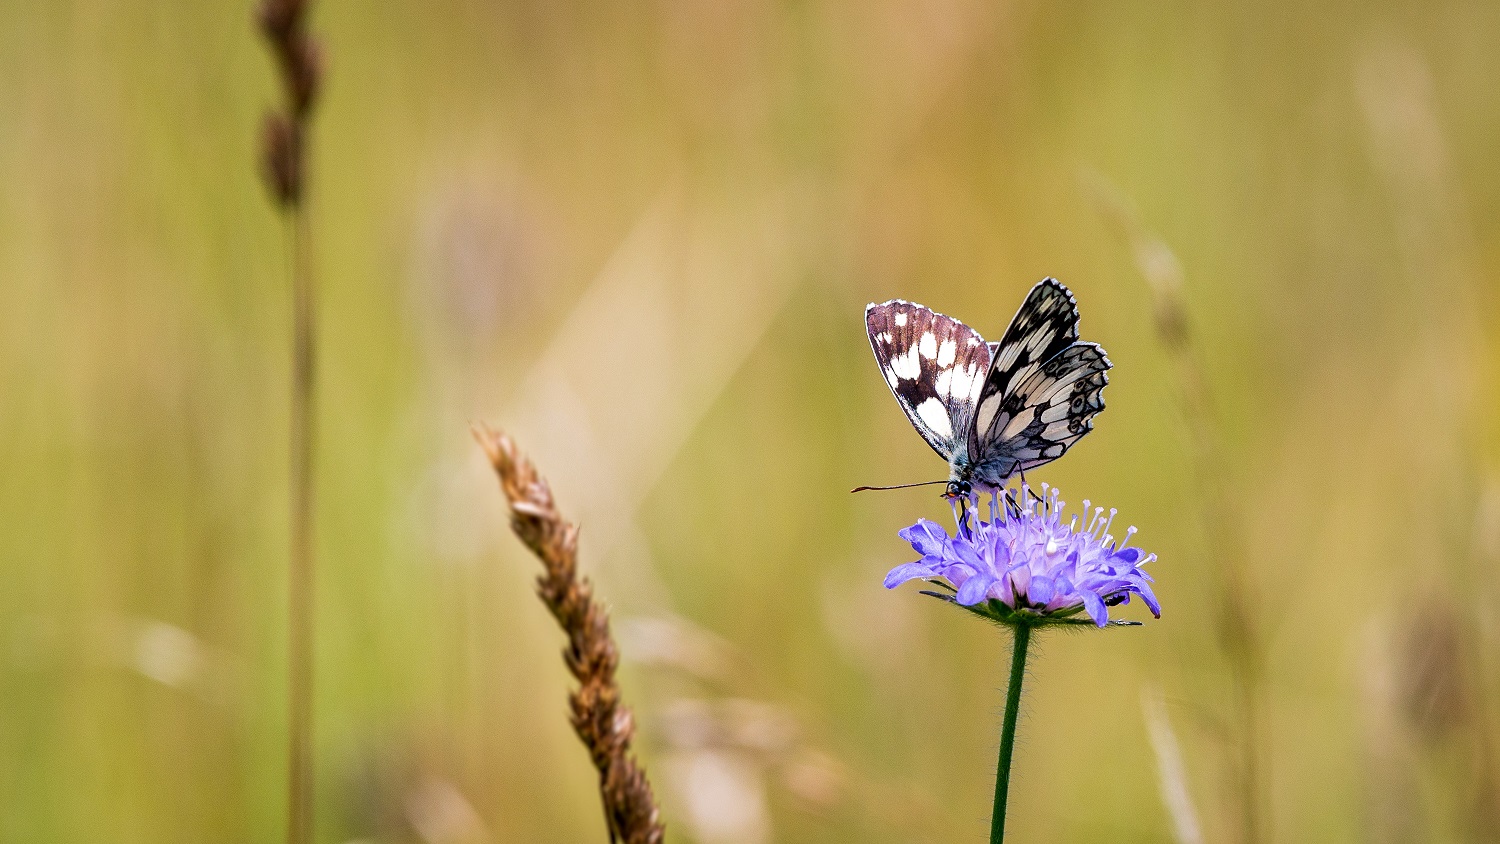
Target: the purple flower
(1026, 561)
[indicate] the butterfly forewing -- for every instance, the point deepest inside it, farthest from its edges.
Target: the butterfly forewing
(1042, 391)
(935, 366)
(1046, 324)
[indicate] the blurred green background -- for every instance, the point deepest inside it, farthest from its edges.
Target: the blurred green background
(641, 237)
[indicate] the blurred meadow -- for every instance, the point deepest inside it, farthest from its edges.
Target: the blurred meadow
(640, 237)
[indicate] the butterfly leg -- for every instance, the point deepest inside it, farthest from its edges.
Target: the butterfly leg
(1011, 506)
(1027, 487)
(964, 505)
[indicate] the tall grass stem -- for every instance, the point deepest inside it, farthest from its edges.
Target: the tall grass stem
(301, 581)
(1238, 631)
(283, 24)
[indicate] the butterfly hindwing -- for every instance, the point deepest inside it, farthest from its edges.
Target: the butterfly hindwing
(934, 365)
(1047, 413)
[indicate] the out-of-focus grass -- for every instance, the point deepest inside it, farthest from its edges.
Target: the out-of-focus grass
(642, 238)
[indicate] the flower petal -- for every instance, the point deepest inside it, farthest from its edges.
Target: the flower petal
(1039, 591)
(1095, 607)
(910, 571)
(974, 589)
(967, 553)
(1150, 598)
(926, 538)
(956, 573)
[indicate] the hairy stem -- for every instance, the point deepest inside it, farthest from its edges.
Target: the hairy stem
(1008, 729)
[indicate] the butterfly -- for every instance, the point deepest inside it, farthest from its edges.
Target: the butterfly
(992, 410)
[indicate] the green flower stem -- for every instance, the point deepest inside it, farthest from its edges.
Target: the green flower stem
(1022, 630)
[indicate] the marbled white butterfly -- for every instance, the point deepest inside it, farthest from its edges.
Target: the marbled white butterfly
(992, 410)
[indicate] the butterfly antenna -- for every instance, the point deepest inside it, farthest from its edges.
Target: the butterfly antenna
(897, 486)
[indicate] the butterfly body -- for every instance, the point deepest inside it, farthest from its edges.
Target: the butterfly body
(992, 410)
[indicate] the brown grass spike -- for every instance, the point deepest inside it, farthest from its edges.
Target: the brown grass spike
(300, 61)
(602, 722)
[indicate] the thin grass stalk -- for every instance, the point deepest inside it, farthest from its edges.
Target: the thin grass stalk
(284, 141)
(1239, 635)
(599, 717)
(300, 582)
(1171, 773)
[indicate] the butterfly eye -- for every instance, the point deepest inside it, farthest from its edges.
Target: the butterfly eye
(957, 489)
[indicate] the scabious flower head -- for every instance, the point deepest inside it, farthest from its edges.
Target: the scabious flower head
(1026, 563)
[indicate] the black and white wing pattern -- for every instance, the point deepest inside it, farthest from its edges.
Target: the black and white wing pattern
(935, 366)
(1042, 390)
(1046, 323)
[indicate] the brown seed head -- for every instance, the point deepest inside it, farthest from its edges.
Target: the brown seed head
(603, 723)
(299, 59)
